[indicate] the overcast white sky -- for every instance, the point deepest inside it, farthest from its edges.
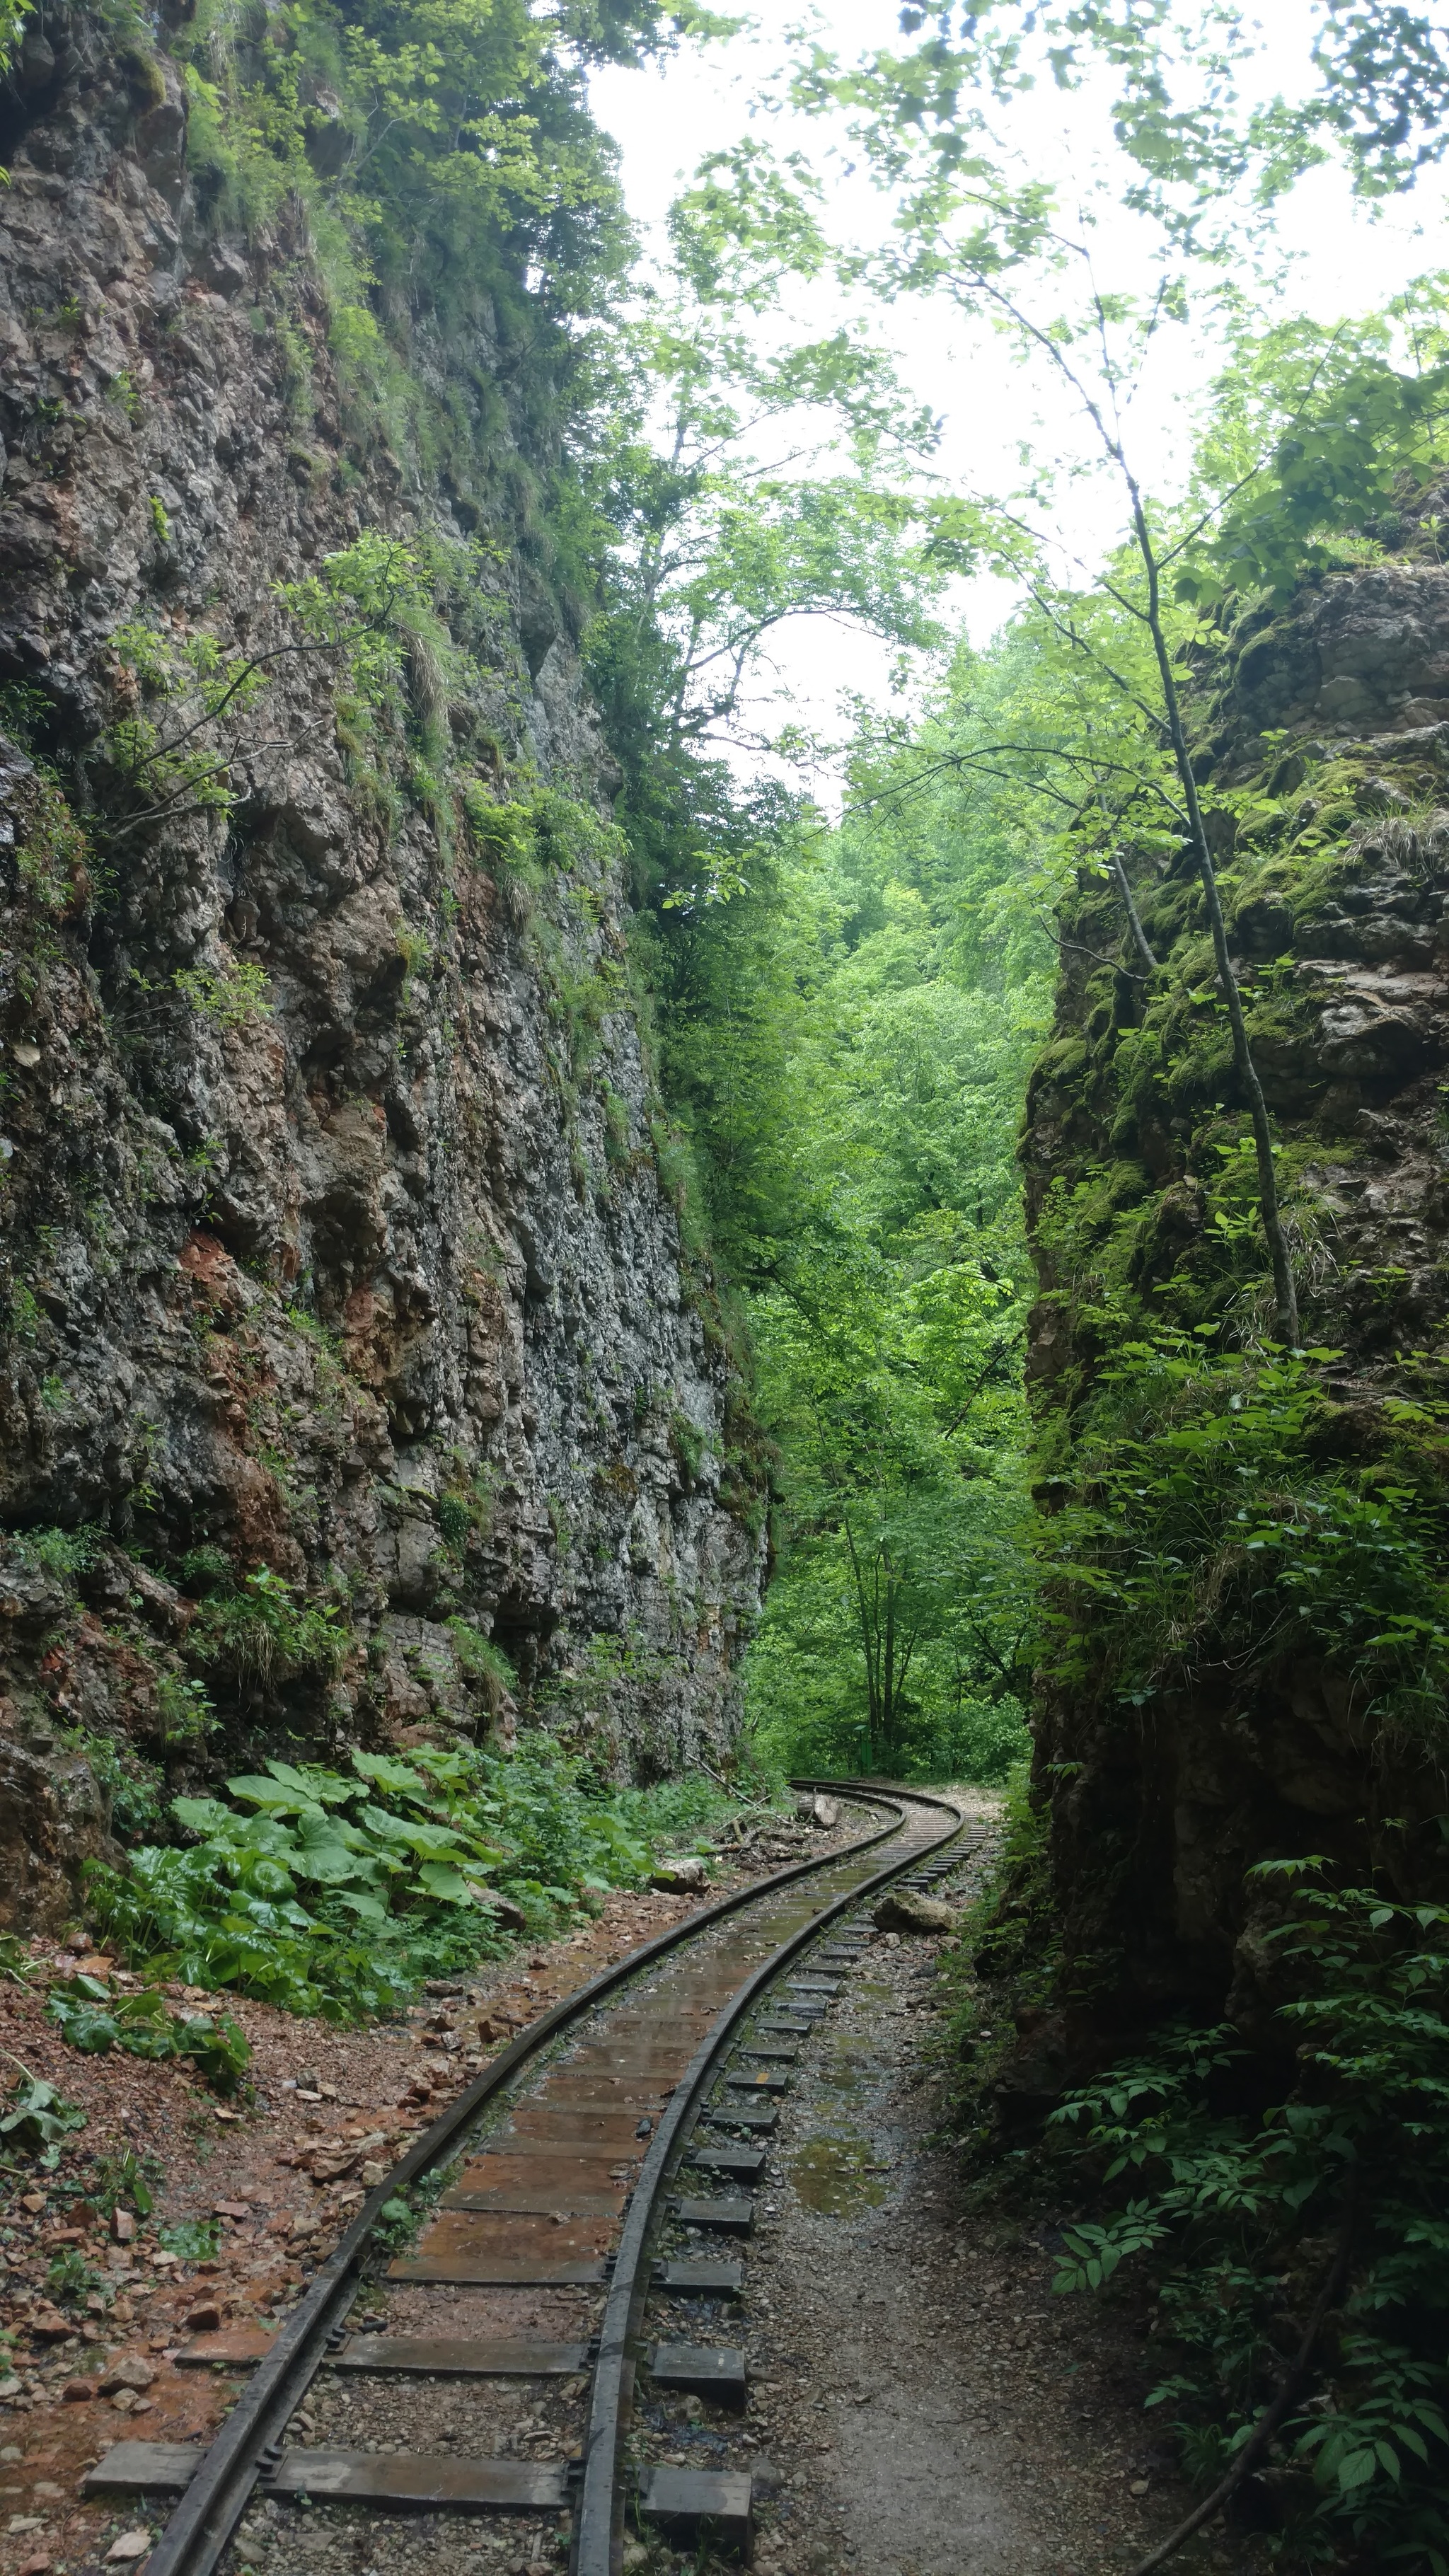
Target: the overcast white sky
(666, 118)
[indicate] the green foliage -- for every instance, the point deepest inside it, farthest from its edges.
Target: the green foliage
(1240, 2204)
(50, 859)
(69, 2276)
(37, 2120)
(137, 1789)
(852, 1069)
(229, 995)
(195, 2240)
(261, 1632)
(92, 2018)
(125, 2181)
(63, 1552)
(400, 1861)
(1360, 439)
(1214, 1526)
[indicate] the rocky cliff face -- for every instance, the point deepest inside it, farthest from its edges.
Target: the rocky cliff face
(349, 1340)
(1329, 727)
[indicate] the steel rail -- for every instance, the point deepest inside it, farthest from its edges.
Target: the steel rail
(199, 2531)
(598, 2522)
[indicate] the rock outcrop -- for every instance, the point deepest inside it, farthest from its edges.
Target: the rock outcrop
(1162, 1796)
(354, 1372)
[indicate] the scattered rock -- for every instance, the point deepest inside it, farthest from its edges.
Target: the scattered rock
(821, 1811)
(125, 2550)
(203, 2320)
(123, 2227)
(78, 2392)
(504, 1911)
(131, 2370)
(902, 1910)
(681, 1877)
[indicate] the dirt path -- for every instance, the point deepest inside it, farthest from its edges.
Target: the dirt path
(922, 2405)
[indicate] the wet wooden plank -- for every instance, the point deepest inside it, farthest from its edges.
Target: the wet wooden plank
(539, 2163)
(494, 2272)
(687, 2502)
(453, 2357)
(591, 2124)
(561, 2202)
(516, 2234)
(144, 2468)
(421, 2479)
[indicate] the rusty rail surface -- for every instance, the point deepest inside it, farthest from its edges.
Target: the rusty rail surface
(247, 2449)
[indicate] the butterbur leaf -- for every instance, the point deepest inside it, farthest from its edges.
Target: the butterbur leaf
(368, 1908)
(38, 2117)
(271, 1794)
(443, 1881)
(389, 1774)
(318, 1787)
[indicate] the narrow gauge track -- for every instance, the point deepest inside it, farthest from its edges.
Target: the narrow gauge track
(563, 2158)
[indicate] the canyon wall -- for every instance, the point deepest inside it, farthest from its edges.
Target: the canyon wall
(1166, 1781)
(354, 1375)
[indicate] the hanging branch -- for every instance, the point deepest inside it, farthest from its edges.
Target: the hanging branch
(1172, 726)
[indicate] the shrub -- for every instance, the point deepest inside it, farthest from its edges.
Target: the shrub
(262, 1632)
(1246, 2210)
(335, 1892)
(90, 2018)
(1213, 1524)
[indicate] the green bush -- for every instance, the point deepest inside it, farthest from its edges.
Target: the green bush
(37, 2120)
(261, 1632)
(91, 2018)
(1213, 1524)
(336, 1892)
(1243, 2210)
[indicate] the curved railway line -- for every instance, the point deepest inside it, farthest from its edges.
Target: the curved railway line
(598, 2178)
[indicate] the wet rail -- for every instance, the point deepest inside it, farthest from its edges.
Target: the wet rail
(638, 2110)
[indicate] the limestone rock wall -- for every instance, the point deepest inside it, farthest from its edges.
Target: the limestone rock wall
(344, 1259)
(1338, 911)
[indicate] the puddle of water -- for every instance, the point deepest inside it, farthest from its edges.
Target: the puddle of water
(846, 2066)
(836, 2176)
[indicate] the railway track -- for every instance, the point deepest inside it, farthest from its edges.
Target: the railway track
(596, 2182)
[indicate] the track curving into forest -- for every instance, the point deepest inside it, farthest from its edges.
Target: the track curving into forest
(597, 2179)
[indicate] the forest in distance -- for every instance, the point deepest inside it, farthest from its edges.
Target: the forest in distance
(848, 1012)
